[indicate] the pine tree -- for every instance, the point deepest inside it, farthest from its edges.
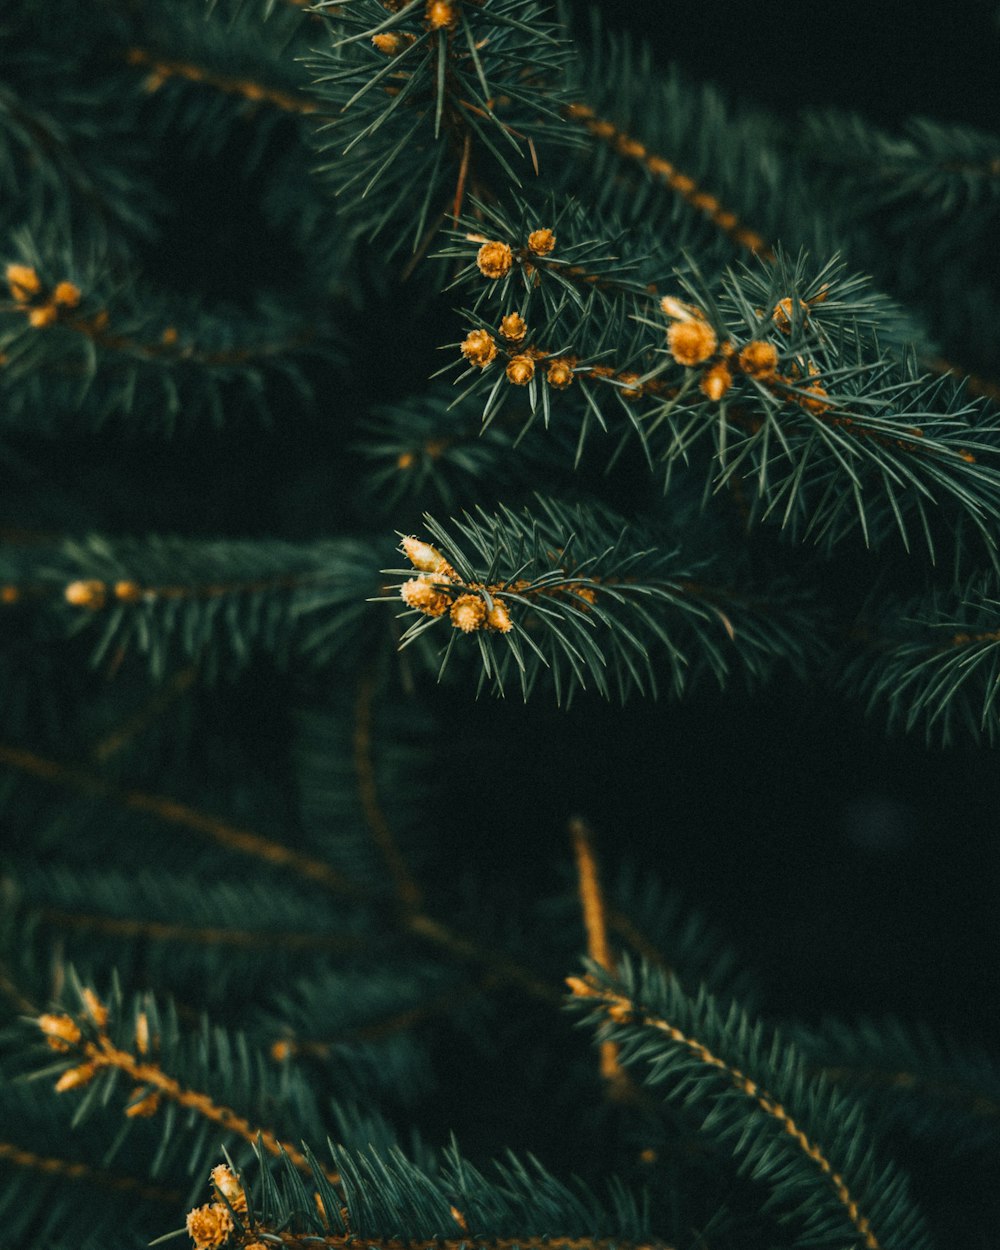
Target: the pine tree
(410, 410)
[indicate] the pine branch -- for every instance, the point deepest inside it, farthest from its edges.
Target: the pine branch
(910, 1080)
(389, 1201)
(143, 1044)
(541, 587)
(216, 603)
(801, 1139)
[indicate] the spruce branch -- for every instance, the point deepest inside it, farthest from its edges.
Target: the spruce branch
(580, 594)
(759, 1100)
(97, 1042)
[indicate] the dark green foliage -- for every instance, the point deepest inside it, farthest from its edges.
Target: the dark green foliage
(285, 284)
(585, 597)
(754, 1093)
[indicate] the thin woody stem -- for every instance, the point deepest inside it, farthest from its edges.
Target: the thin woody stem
(70, 1169)
(343, 1241)
(104, 1054)
(197, 935)
(170, 811)
(407, 889)
(665, 171)
(622, 1009)
(598, 947)
(160, 70)
(246, 842)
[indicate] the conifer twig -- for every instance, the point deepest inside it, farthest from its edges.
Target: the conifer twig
(254, 92)
(598, 947)
(622, 1010)
(246, 842)
(343, 1241)
(71, 1169)
(407, 889)
(665, 171)
(99, 1053)
(172, 812)
(195, 935)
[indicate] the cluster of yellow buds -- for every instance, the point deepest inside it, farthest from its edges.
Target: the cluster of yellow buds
(42, 306)
(64, 1034)
(212, 1226)
(692, 342)
(93, 594)
(433, 592)
(480, 349)
(495, 259)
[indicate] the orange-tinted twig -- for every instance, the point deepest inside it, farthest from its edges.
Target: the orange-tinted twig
(621, 1009)
(160, 70)
(245, 842)
(104, 1054)
(598, 947)
(344, 1241)
(195, 935)
(407, 889)
(172, 812)
(68, 1169)
(664, 171)
(967, 640)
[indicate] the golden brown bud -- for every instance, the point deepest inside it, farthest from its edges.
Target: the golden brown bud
(468, 613)
(479, 348)
(513, 327)
(520, 370)
(691, 342)
(541, 242)
(494, 259)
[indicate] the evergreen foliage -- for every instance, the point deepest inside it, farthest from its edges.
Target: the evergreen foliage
(364, 357)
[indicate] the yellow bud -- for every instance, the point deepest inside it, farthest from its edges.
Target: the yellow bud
(758, 359)
(520, 370)
(88, 593)
(66, 294)
(513, 327)
(479, 348)
(142, 1033)
(61, 1032)
(441, 15)
(228, 1185)
(93, 1005)
(468, 613)
(209, 1227)
(23, 281)
(423, 556)
(423, 595)
(541, 242)
(75, 1077)
(691, 342)
(494, 259)
(499, 618)
(716, 381)
(44, 316)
